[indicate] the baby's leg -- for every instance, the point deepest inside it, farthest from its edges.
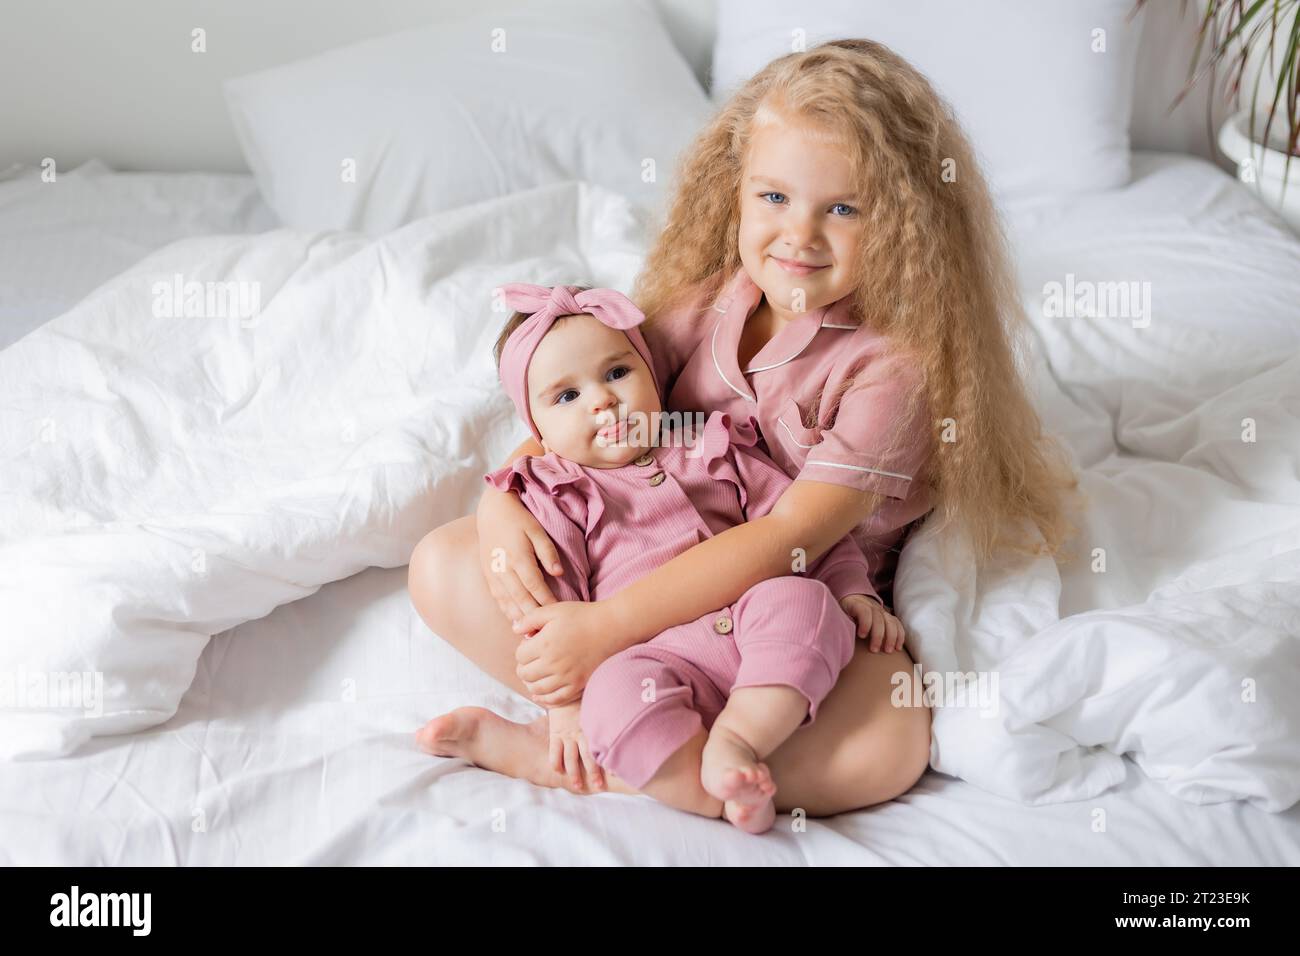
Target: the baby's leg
(793, 639)
(754, 723)
(643, 714)
(677, 781)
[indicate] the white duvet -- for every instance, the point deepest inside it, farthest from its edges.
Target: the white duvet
(1174, 637)
(166, 478)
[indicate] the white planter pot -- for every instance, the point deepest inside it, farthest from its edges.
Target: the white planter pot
(1263, 165)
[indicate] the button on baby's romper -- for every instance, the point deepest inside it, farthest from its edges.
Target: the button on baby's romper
(612, 526)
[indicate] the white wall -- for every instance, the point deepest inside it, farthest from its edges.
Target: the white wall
(118, 81)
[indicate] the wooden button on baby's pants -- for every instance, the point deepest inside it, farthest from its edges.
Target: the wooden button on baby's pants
(657, 478)
(722, 625)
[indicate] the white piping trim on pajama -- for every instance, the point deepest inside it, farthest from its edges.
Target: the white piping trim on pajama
(764, 368)
(874, 471)
(795, 440)
(791, 358)
(713, 350)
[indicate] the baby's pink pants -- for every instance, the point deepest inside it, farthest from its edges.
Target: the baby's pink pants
(645, 703)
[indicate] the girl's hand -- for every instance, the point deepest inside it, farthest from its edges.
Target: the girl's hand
(570, 755)
(883, 629)
(512, 545)
(566, 643)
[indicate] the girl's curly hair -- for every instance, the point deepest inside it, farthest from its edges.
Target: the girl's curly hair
(932, 274)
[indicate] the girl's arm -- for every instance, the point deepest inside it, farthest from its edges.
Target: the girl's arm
(499, 502)
(811, 515)
(504, 523)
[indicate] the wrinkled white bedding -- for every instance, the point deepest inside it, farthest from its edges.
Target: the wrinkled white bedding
(294, 746)
(1175, 635)
(61, 239)
(166, 479)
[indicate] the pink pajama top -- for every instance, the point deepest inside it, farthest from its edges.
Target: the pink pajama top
(799, 373)
(612, 526)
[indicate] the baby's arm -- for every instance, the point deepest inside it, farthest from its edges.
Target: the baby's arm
(569, 753)
(568, 750)
(846, 572)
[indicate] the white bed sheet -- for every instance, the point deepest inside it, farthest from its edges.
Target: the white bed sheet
(294, 744)
(1172, 636)
(268, 762)
(60, 240)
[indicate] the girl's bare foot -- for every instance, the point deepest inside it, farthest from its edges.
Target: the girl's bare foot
(488, 740)
(731, 772)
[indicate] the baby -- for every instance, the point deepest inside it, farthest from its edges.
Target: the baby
(688, 716)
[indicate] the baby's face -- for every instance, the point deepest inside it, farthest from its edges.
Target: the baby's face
(585, 377)
(798, 201)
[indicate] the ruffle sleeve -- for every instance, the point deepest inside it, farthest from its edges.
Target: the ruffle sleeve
(566, 503)
(720, 441)
(551, 477)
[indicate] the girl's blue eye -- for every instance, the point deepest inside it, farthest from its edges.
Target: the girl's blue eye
(844, 205)
(620, 368)
(765, 195)
(558, 398)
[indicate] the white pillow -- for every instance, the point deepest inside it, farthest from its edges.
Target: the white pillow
(1045, 113)
(477, 106)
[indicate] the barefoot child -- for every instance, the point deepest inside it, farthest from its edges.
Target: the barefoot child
(832, 268)
(620, 495)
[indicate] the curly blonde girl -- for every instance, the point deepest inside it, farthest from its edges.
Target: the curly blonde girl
(932, 274)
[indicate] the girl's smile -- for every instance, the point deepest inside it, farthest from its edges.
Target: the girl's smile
(797, 268)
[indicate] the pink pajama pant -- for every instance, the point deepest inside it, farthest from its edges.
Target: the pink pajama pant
(643, 704)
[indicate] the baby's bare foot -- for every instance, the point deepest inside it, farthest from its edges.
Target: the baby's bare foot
(731, 772)
(490, 741)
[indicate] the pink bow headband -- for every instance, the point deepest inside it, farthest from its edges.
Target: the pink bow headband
(545, 304)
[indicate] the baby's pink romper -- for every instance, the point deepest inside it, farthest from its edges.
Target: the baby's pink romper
(612, 526)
